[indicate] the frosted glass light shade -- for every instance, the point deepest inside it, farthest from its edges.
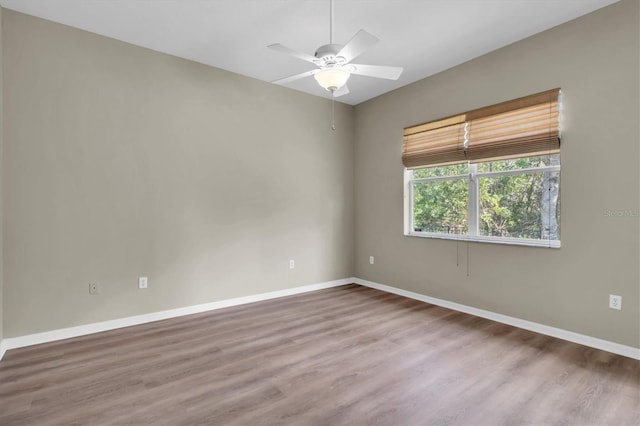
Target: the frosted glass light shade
(332, 78)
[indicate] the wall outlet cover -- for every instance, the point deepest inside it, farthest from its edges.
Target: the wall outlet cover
(615, 301)
(143, 282)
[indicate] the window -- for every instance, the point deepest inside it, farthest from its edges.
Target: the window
(510, 201)
(487, 175)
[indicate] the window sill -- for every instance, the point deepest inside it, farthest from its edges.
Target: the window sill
(493, 240)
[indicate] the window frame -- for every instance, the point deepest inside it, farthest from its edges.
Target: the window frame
(473, 206)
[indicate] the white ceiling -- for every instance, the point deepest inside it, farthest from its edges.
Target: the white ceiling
(423, 36)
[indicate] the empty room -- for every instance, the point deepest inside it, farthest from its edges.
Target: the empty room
(320, 212)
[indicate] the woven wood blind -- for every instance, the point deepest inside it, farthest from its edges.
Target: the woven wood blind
(518, 128)
(438, 142)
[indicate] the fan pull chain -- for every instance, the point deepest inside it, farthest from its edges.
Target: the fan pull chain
(333, 114)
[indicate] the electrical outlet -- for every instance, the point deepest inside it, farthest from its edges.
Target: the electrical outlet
(292, 264)
(94, 288)
(371, 260)
(615, 302)
(143, 282)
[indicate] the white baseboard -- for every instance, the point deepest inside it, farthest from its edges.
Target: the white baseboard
(605, 345)
(82, 330)
(66, 333)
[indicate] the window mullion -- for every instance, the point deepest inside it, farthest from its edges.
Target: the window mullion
(474, 196)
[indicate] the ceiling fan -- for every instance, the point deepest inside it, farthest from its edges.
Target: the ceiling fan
(333, 61)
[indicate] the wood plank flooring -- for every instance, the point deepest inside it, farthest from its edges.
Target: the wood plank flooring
(344, 356)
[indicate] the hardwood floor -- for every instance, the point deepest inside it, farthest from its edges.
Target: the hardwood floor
(344, 356)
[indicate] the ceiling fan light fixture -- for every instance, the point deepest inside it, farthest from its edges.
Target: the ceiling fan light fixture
(332, 79)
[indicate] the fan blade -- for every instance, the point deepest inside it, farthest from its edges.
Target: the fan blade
(287, 51)
(295, 77)
(341, 91)
(357, 45)
(378, 71)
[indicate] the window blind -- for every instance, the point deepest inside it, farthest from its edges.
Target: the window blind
(517, 128)
(438, 142)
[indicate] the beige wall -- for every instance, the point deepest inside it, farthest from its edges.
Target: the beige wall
(1, 197)
(595, 60)
(122, 162)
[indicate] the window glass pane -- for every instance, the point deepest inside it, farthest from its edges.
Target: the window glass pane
(520, 163)
(454, 170)
(520, 206)
(440, 206)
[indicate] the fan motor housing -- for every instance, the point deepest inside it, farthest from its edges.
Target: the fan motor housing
(328, 55)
